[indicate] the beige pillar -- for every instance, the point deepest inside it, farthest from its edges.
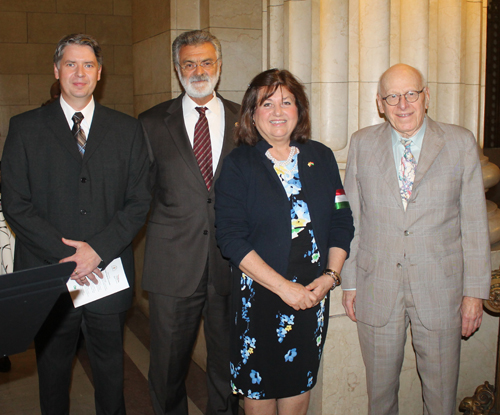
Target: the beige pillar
(297, 36)
(334, 73)
(449, 33)
(471, 101)
(374, 38)
(414, 34)
(275, 29)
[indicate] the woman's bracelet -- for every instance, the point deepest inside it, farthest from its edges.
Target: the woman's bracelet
(337, 279)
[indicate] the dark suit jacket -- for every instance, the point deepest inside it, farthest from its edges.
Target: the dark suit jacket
(49, 192)
(440, 241)
(181, 234)
(253, 210)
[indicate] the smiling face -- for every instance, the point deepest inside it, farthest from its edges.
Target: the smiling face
(406, 118)
(78, 73)
(277, 117)
(200, 82)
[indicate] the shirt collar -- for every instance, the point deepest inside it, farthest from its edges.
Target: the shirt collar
(69, 111)
(417, 139)
(189, 105)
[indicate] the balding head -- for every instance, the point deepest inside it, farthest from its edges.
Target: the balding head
(397, 70)
(405, 117)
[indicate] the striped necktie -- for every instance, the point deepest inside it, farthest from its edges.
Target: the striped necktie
(78, 133)
(202, 147)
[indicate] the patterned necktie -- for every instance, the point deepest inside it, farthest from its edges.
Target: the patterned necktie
(202, 147)
(406, 173)
(78, 133)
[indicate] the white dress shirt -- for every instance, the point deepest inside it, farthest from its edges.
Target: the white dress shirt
(88, 114)
(215, 117)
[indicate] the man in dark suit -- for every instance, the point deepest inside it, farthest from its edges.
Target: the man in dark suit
(184, 272)
(77, 196)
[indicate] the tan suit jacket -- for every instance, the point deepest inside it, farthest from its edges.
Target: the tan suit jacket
(441, 240)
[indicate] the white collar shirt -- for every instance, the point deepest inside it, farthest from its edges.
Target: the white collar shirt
(215, 117)
(88, 115)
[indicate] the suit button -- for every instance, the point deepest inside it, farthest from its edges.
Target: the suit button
(407, 233)
(209, 200)
(399, 265)
(83, 180)
(205, 232)
(83, 212)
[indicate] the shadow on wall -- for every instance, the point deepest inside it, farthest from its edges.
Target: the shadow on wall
(493, 193)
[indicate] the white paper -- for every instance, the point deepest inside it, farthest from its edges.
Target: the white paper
(113, 281)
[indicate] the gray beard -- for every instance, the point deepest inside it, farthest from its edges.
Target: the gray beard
(206, 89)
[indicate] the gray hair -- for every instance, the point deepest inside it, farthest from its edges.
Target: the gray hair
(382, 77)
(193, 38)
(77, 39)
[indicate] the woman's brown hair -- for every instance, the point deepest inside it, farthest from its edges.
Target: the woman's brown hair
(268, 82)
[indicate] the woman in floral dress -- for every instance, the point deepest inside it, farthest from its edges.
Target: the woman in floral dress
(284, 222)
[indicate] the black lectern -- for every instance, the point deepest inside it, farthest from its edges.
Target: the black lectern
(26, 297)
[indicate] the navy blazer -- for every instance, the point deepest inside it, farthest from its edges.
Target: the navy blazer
(253, 211)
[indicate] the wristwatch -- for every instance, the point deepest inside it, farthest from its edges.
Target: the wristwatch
(337, 279)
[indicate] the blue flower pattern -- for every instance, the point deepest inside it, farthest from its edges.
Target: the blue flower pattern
(291, 355)
(285, 325)
(320, 314)
(300, 220)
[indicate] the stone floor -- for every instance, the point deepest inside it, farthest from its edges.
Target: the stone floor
(19, 387)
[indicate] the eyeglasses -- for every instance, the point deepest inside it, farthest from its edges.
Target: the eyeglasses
(410, 96)
(191, 66)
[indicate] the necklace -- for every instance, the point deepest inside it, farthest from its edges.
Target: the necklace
(282, 163)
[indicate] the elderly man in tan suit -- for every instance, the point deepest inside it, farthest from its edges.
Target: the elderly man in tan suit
(420, 253)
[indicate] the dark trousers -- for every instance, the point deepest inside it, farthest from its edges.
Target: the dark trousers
(174, 326)
(56, 344)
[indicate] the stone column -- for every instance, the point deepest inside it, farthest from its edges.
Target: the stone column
(275, 29)
(334, 73)
(414, 35)
(449, 34)
(374, 41)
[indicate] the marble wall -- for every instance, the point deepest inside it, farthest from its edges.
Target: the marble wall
(29, 32)
(156, 23)
(338, 48)
(349, 44)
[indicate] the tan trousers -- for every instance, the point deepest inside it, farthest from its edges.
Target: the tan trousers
(437, 353)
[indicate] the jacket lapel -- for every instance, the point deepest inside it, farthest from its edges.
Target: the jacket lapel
(432, 145)
(384, 155)
(98, 131)
(230, 117)
(57, 123)
(174, 122)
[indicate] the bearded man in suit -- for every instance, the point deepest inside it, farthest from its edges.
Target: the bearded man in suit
(420, 253)
(79, 196)
(184, 272)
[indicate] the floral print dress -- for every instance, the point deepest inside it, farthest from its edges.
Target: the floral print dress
(279, 349)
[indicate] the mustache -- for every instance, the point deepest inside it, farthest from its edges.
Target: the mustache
(198, 78)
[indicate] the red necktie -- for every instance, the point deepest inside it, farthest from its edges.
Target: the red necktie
(202, 147)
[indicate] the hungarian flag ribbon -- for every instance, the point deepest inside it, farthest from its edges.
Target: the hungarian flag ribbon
(341, 201)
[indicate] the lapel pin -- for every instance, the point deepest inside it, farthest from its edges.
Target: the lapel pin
(310, 164)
